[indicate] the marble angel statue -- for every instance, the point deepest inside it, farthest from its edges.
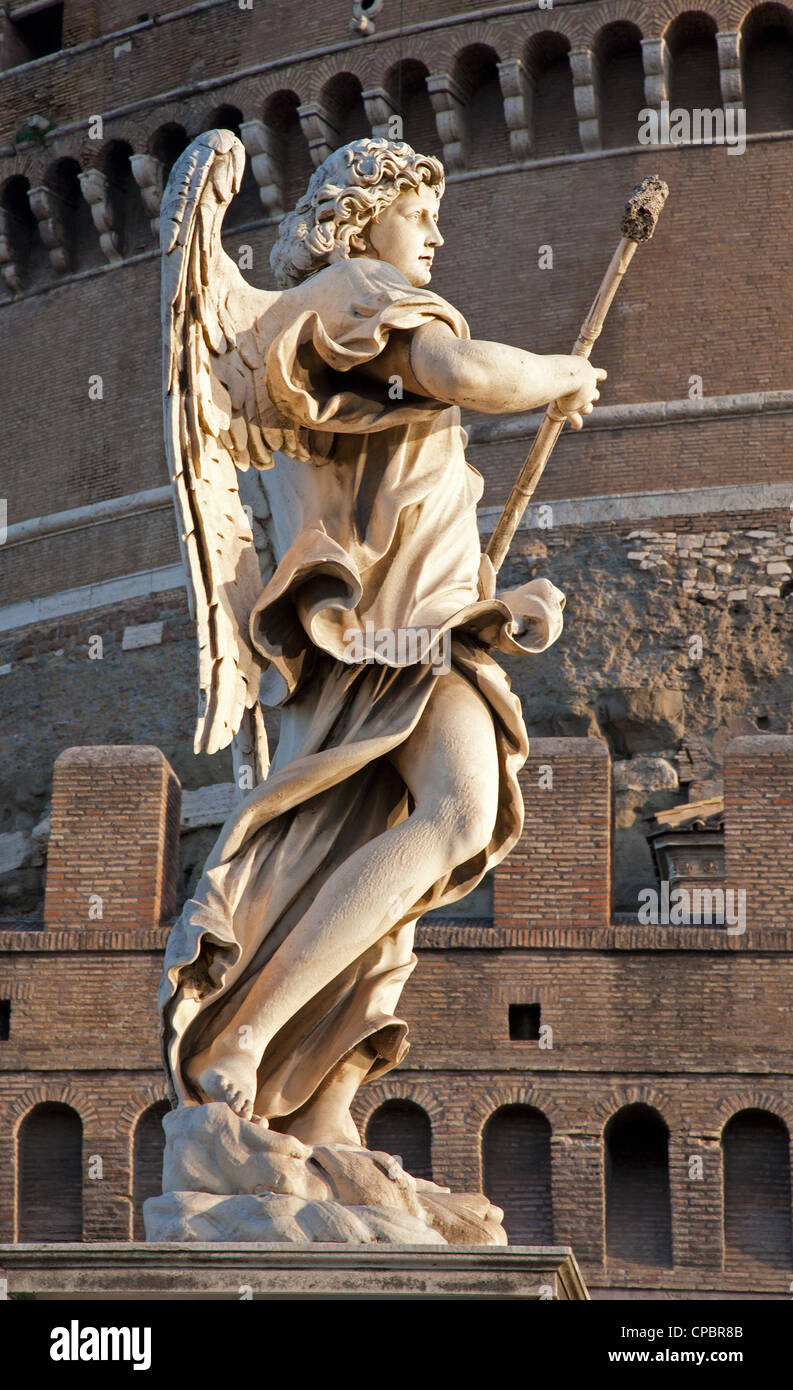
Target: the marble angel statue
(367, 613)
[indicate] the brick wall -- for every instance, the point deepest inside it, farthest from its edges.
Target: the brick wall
(109, 1103)
(708, 453)
(114, 836)
(679, 1031)
(462, 1090)
(210, 42)
(89, 449)
(758, 814)
(84, 1035)
(559, 873)
(651, 345)
(676, 1030)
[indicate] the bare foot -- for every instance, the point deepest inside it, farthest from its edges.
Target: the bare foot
(230, 1078)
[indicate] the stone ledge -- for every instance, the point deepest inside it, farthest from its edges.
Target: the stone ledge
(689, 1285)
(442, 935)
(93, 940)
(115, 1270)
(439, 934)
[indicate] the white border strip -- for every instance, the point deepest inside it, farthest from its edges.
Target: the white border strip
(576, 511)
(641, 415)
(36, 528)
(644, 506)
(88, 596)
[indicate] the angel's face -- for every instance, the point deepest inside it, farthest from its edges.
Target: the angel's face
(406, 233)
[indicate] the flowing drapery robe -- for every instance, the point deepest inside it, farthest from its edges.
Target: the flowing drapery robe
(376, 530)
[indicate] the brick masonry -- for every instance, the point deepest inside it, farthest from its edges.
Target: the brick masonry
(114, 835)
(758, 806)
(97, 449)
(559, 873)
(673, 1025)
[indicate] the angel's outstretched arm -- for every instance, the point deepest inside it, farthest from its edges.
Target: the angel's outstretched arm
(492, 377)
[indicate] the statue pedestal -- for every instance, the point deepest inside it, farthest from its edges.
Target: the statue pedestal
(170, 1271)
(231, 1181)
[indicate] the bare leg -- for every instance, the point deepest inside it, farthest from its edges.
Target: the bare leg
(450, 766)
(326, 1119)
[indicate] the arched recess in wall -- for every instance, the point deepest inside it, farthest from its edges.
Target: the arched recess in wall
(25, 256)
(291, 152)
(167, 144)
(402, 1128)
(618, 56)
(342, 97)
(516, 1172)
(767, 40)
(148, 1144)
(554, 119)
(694, 62)
(130, 216)
(636, 1173)
(757, 1205)
(50, 1174)
(486, 135)
(245, 206)
(76, 238)
(410, 96)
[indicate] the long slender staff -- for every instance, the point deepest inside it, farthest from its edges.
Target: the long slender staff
(642, 211)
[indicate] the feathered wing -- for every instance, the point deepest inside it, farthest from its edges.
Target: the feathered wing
(210, 353)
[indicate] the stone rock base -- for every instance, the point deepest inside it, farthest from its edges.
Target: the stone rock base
(228, 1179)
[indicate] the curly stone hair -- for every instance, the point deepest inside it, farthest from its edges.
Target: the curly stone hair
(350, 188)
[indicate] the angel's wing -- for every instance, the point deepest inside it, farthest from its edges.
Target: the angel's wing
(210, 355)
